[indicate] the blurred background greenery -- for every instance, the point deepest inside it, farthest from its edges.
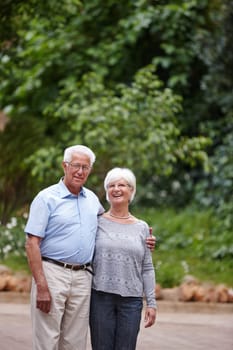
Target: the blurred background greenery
(145, 84)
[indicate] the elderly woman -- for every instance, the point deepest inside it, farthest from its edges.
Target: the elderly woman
(123, 270)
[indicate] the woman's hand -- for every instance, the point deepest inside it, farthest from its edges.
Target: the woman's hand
(150, 317)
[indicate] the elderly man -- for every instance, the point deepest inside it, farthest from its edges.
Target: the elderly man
(61, 232)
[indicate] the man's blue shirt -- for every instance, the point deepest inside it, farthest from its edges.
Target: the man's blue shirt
(67, 223)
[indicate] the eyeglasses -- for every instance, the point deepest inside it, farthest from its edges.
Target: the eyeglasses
(77, 166)
(120, 186)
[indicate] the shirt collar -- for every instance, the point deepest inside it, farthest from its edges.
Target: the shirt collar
(66, 193)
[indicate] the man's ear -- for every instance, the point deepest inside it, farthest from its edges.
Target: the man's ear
(64, 165)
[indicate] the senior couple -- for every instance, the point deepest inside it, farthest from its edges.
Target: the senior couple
(88, 266)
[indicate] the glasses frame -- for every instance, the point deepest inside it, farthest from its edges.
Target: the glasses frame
(78, 166)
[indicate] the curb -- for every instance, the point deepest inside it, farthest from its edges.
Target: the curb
(164, 306)
(195, 307)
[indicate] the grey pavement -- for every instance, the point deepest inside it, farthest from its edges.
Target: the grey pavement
(179, 326)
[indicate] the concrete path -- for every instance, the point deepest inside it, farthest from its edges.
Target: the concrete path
(179, 326)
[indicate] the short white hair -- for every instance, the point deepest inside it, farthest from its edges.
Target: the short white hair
(70, 151)
(120, 173)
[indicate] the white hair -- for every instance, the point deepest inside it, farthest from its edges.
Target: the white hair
(120, 173)
(69, 151)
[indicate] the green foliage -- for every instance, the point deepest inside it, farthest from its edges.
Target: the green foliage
(146, 84)
(129, 126)
(45, 165)
(215, 189)
(17, 263)
(190, 242)
(12, 240)
(20, 139)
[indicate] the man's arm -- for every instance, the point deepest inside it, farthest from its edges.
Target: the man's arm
(32, 247)
(151, 241)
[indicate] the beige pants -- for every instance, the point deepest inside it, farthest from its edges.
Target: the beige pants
(66, 325)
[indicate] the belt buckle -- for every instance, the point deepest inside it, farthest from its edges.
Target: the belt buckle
(73, 267)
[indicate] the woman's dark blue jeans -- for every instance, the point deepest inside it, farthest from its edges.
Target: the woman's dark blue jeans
(114, 321)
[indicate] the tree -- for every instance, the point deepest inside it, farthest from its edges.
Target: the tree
(94, 75)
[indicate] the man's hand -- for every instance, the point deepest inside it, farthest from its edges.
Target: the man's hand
(43, 300)
(151, 242)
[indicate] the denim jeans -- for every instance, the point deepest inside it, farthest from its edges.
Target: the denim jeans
(114, 321)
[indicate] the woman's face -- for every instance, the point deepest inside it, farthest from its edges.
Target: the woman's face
(119, 191)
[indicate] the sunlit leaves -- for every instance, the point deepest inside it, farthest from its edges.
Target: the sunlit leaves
(133, 126)
(142, 82)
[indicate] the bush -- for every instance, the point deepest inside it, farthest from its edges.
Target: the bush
(13, 238)
(190, 241)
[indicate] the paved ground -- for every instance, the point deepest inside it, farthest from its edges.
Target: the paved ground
(189, 326)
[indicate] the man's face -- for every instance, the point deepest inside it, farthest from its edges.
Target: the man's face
(76, 172)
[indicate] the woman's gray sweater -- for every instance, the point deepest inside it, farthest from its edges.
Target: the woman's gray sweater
(122, 262)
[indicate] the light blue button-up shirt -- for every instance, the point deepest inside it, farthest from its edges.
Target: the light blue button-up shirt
(66, 222)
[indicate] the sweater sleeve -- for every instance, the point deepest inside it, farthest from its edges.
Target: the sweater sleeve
(148, 273)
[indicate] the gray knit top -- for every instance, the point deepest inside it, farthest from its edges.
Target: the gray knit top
(122, 262)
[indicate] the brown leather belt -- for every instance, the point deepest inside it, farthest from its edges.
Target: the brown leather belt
(74, 267)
